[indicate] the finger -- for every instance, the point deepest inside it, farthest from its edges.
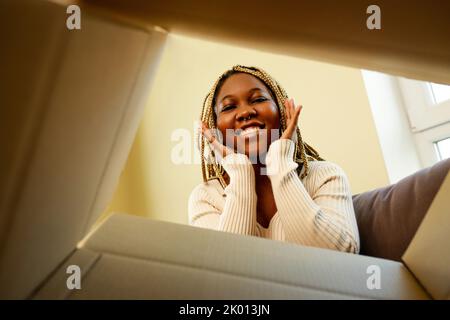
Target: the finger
(291, 109)
(205, 131)
(214, 142)
(221, 149)
(291, 124)
(297, 112)
(286, 108)
(295, 116)
(287, 134)
(209, 134)
(203, 127)
(216, 145)
(198, 129)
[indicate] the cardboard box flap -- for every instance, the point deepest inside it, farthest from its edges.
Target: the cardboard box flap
(321, 270)
(71, 130)
(327, 30)
(428, 255)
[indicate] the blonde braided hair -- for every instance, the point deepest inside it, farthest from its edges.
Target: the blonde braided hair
(213, 170)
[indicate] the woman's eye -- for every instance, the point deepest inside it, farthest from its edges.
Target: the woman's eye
(228, 107)
(260, 99)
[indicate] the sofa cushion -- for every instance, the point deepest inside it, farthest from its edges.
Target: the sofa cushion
(389, 217)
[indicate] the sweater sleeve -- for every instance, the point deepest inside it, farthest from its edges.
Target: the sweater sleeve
(325, 218)
(239, 211)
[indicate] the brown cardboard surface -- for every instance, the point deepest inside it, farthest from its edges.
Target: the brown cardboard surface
(412, 42)
(428, 255)
(70, 121)
(121, 277)
(314, 272)
(56, 286)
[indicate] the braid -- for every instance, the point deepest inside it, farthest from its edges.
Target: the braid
(212, 169)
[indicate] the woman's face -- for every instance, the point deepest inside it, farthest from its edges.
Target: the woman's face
(245, 105)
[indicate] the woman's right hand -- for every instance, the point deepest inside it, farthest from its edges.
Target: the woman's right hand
(216, 145)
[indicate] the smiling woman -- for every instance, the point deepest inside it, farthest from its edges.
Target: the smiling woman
(288, 193)
(242, 127)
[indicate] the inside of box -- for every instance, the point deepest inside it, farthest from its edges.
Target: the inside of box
(87, 90)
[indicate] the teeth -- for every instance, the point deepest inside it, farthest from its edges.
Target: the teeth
(249, 131)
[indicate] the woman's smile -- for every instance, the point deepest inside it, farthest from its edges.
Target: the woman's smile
(248, 132)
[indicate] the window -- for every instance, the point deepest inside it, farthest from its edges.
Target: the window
(420, 100)
(412, 119)
(428, 107)
(439, 92)
(443, 148)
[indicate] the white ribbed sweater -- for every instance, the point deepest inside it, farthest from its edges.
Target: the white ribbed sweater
(314, 211)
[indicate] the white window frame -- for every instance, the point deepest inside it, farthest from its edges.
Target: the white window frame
(425, 141)
(429, 121)
(423, 112)
(433, 93)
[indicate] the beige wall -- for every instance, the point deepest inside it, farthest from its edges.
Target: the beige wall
(336, 120)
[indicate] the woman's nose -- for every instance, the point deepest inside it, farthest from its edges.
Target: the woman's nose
(246, 113)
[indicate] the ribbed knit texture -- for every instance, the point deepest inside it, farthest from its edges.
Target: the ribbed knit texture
(315, 211)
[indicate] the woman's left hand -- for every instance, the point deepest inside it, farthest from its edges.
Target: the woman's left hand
(292, 114)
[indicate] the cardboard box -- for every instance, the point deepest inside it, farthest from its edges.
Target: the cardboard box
(87, 89)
